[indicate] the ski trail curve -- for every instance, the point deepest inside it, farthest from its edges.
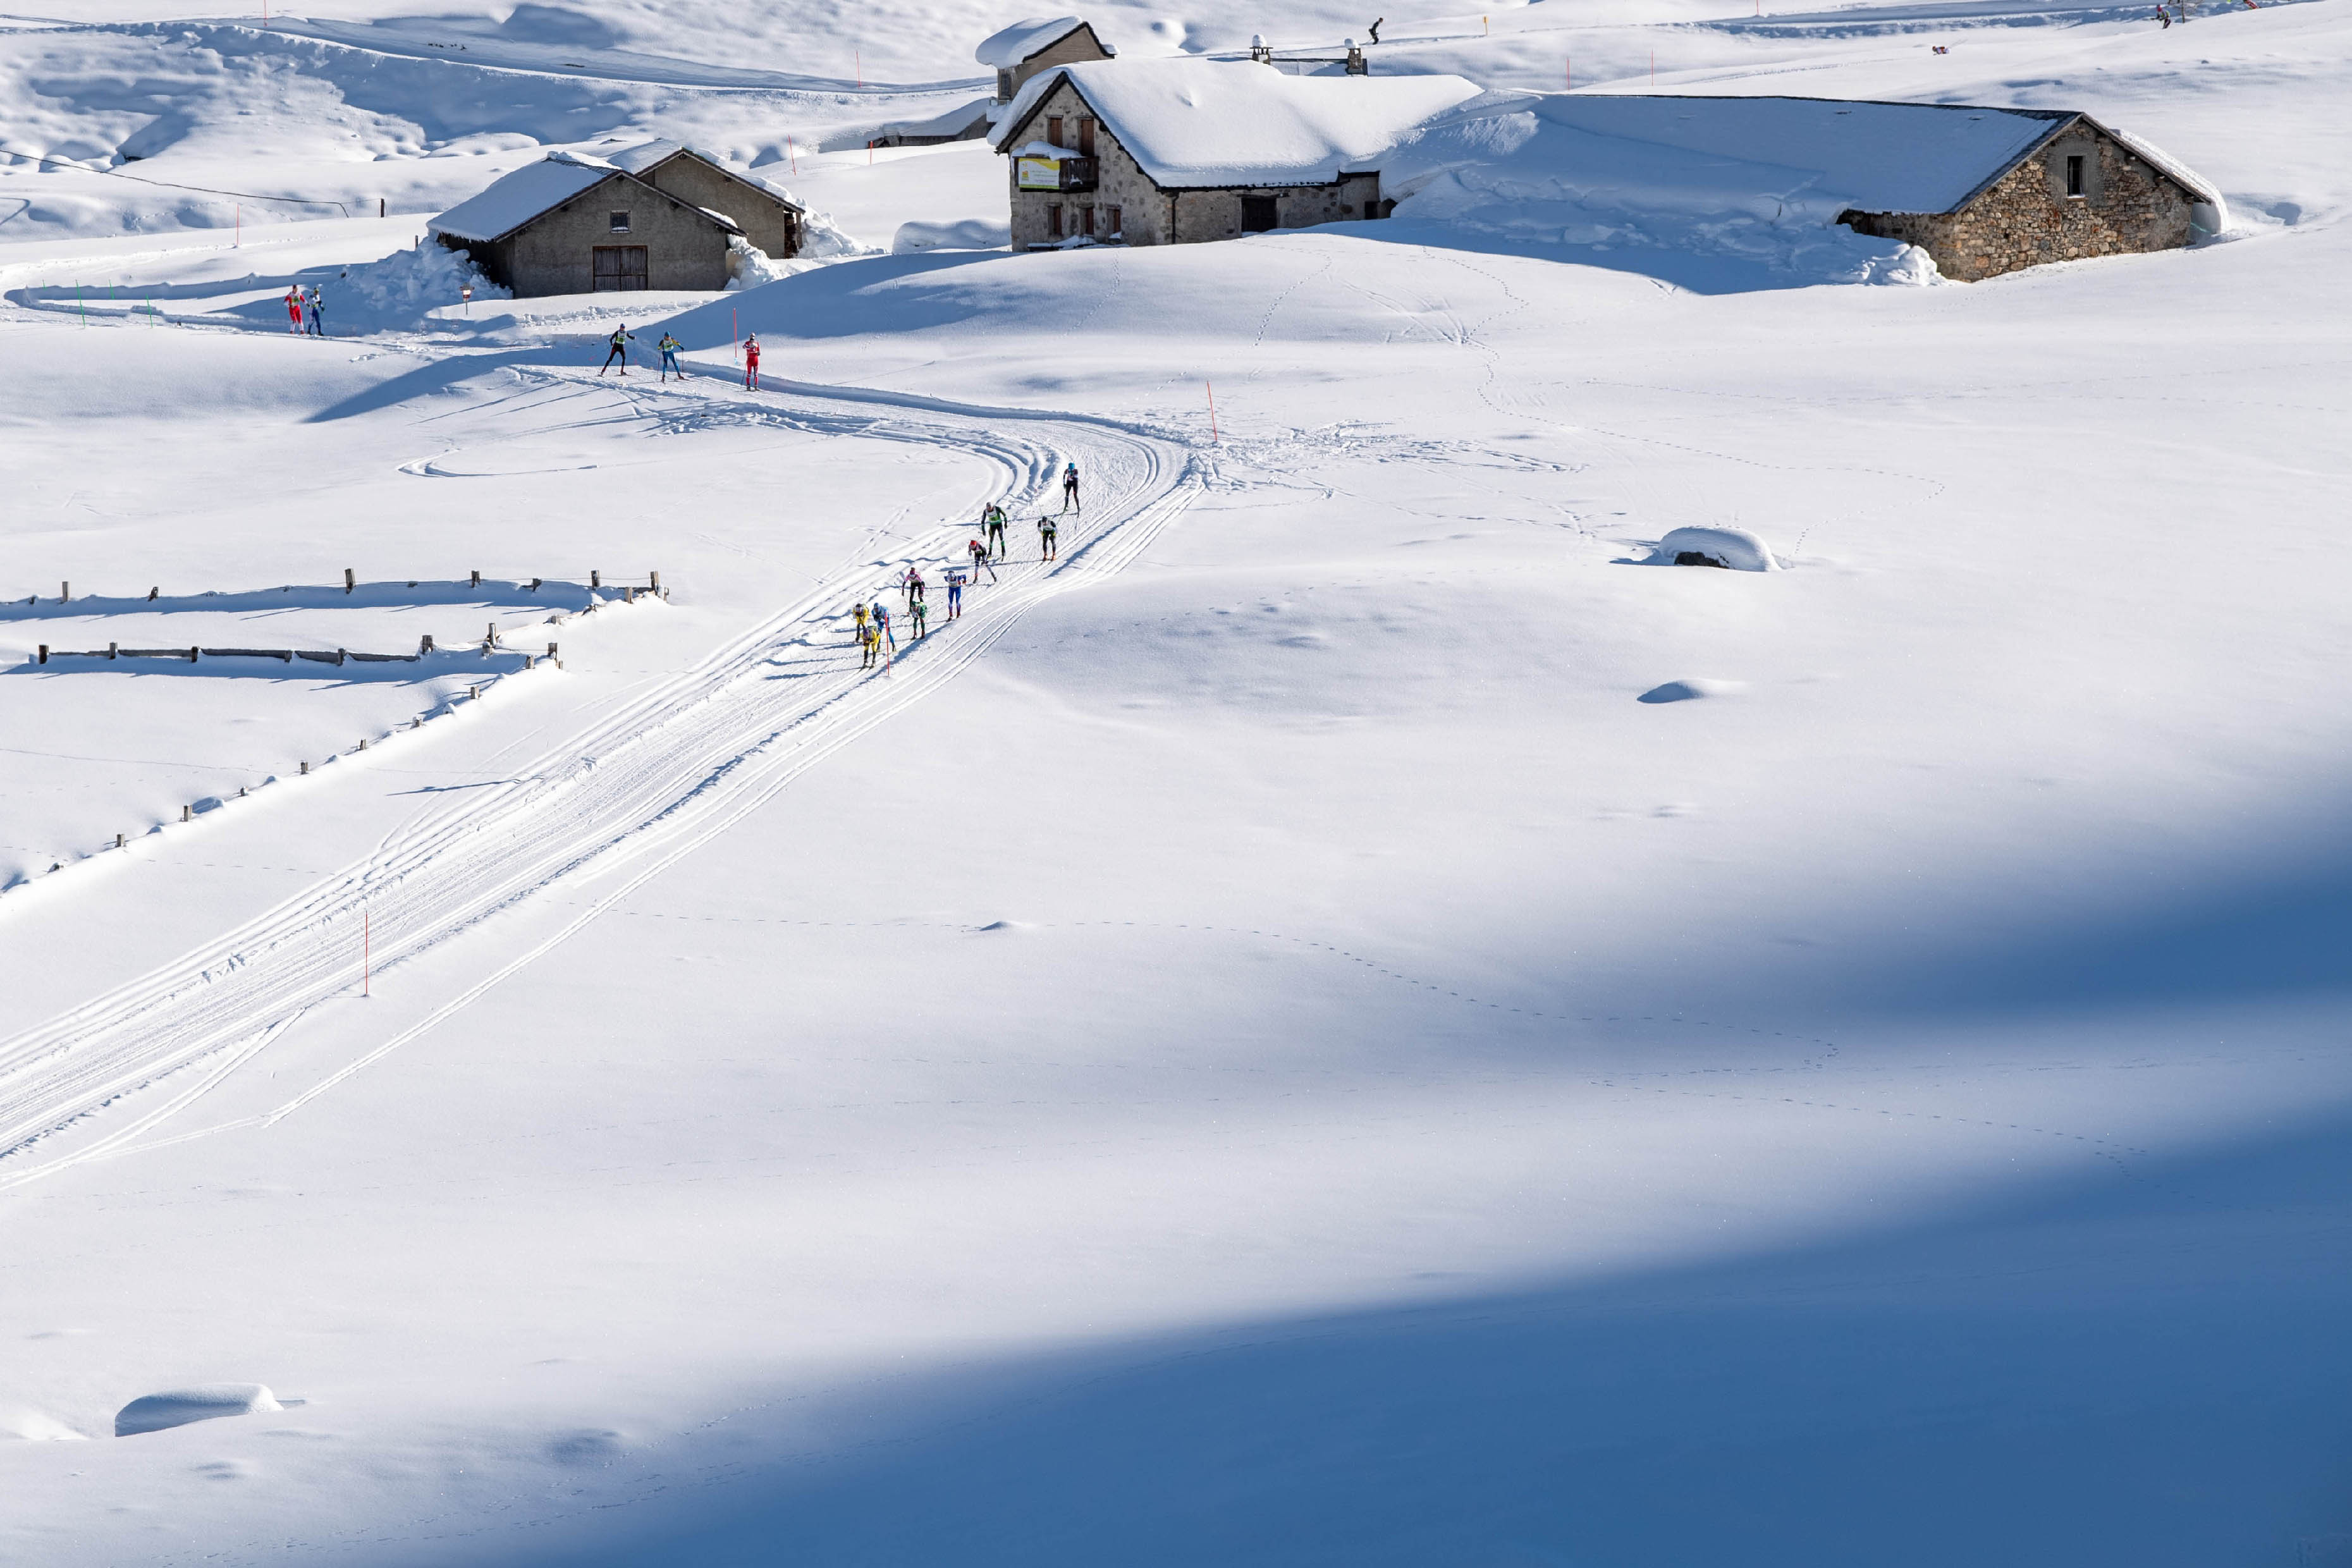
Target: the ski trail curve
(629, 794)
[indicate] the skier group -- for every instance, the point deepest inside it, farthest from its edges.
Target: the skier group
(877, 635)
(618, 353)
(306, 310)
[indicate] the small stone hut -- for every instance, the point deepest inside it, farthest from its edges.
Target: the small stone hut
(577, 224)
(1025, 49)
(1173, 152)
(2075, 190)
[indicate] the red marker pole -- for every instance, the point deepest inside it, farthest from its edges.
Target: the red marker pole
(736, 333)
(793, 155)
(1213, 410)
(367, 952)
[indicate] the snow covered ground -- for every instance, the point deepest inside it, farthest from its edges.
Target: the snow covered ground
(1348, 1020)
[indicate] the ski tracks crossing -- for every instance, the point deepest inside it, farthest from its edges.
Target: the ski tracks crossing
(617, 801)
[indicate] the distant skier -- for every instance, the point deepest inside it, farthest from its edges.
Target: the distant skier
(868, 645)
(751, 363)
(1376, 27)
(920, 611)
(997, 549)
(294, 309)
(882, 624)
(670, 365)
(318, 307)
(980, 561)
(620, 340)
(955, 595)
(2164, 17)
(858, 609)
(1070, 488)
(911, 585)
(1046, 530)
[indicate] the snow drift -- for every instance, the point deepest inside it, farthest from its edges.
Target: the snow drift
(179, 1406)
(1733, 547)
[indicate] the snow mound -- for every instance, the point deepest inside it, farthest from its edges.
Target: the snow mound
(400, 289)
(753, 266)
(179, 1406)
(26, 1426)
(822, 240)
(1523, 168)
(970, 233)
(1733, 547)
(1690, 689)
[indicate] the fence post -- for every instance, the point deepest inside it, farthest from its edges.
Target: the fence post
(45, 653)
(153, 591)
(477, 582)
(191, 656)
(349, 580)
(656, 582)
(187, 814)
(596, 580)
(65, 593)
(306, 767)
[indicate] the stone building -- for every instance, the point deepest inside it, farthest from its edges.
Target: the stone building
(2077, 191)
(1025, 49)
(1982, 190)
(768, 221)
(1178, 151)
(574, 225)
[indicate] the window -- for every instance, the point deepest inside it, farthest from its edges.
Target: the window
(1257, 215)
(620, 222)
(1086, 138)
(1087, 221)
(1053, 129)
(1112, 227)
(1054, 220)
(620, 267)
(2075, 174)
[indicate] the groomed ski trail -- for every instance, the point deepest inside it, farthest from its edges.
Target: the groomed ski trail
(631, 794)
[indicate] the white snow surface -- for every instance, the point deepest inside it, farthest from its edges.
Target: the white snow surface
(1228, 122)
(1007, 47)
(1736, 548)
(1347, 1021)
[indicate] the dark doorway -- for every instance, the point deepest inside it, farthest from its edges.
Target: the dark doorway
(1257, 214)
(621, 267)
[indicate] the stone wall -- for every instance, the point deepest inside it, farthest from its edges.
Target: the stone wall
(767, 221)
(2026, 217)
(1152, 216)
(555, 252)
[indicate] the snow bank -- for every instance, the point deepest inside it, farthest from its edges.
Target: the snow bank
(400, 289)
(1733, 547)
(1528, 168)
(179, 1406)
(1236, 122)
(972, 233)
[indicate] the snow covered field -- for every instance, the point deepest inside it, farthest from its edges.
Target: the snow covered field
(1348, 1020)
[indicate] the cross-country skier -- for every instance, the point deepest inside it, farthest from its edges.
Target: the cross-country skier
(1047, 530)
(669, 347)
(920, 611)
(882, 624)
(978, 560)
(620, 340)
(1070, 488)
(997, 549)
(294, 309)
(866, 644)
(911, 585)
(1376, 27)
(752, 362)
(955, 594)
(318, 308)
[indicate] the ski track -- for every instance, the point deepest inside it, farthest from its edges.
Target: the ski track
(633, 793)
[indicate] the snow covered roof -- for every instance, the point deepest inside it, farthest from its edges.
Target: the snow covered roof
(636, 160)
(514, 200)
(1190, 123)
(1876, 157)
(1006, 50)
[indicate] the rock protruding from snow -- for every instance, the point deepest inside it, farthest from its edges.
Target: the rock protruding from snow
(179, 1406)
(1690, 690)
(1733, 547)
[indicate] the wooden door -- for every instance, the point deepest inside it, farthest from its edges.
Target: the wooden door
(621, 267)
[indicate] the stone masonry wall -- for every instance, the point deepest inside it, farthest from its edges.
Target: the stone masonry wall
(2026, 218)
(767, 222)
(555, 254)
(1151, 216)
